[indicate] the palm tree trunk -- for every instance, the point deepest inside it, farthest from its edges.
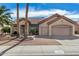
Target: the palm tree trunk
(26, 18)
(17, 8)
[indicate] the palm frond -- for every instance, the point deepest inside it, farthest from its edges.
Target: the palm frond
(5, 16)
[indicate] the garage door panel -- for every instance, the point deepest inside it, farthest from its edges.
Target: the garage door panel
(61, 30)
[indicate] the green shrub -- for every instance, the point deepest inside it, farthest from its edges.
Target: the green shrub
(34, 31)
(5, 29)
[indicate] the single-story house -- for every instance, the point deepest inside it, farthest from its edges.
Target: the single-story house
(53, 25)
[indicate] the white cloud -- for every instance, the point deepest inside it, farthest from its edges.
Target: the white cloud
(46, 13)
(73, 16)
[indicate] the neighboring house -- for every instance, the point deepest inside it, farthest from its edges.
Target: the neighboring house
(53, 25)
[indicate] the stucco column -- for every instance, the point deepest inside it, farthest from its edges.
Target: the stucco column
(73, 30)
(49, 30)
(19, 31)
(27, 28)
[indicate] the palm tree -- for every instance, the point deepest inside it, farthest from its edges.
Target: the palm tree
(26, 18)
(5, 16)
(17, 8)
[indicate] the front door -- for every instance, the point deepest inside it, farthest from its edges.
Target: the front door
(22, 30)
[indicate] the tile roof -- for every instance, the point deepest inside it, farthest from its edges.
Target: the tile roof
(35, 20)
(41, 20)
(30, 20)
(46, 19)
(63, 17)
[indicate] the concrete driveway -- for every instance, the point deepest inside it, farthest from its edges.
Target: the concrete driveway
(68, 47)
(73, 40)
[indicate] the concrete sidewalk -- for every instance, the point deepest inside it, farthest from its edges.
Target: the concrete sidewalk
(43, 50)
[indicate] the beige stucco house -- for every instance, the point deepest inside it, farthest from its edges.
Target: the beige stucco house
(53, 25)
(57, 25)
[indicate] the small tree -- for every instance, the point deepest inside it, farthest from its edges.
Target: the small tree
(5, 29)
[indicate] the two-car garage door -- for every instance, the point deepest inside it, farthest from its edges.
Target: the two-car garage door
(62, 30)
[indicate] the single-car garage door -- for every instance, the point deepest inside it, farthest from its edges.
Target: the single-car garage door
(62, 30)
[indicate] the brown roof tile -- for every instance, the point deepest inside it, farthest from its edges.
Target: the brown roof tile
(35, 20)
(23, 20)
(77, 22)
(62, 17)
(30, 20)
(58, 17)
(46, 19)
(53, 20)
(70, 20)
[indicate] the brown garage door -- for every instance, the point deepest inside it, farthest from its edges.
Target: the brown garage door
(62, 30)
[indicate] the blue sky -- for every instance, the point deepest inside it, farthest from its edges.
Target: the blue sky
(70, 10)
